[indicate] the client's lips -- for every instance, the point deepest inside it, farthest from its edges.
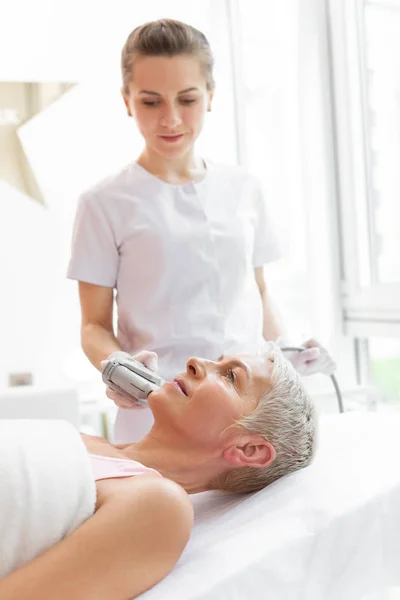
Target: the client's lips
(181, 385)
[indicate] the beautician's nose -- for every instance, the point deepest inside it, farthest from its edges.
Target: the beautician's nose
(170, 116)
(196, 367)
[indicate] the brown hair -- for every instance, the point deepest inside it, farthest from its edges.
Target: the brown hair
(166, 37)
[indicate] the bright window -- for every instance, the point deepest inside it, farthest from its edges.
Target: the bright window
(366, 73)
(382, 55)
(365, 49)
(269, 142)
(384, 356)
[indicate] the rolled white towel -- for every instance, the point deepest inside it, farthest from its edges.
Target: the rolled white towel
(47, 487)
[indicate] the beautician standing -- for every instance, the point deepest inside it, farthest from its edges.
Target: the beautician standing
(181, 239)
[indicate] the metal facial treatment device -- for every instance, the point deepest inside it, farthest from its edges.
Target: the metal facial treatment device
(129, 377)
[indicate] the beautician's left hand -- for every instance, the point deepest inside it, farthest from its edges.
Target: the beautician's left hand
(315, 359)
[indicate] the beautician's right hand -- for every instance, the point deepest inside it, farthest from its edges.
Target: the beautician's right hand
(147, 358)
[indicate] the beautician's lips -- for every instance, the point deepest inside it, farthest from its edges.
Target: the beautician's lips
(171, 138)
(181, 385)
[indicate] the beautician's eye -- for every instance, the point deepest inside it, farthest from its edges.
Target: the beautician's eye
(151, 103)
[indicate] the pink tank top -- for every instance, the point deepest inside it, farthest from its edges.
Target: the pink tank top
(107, 467)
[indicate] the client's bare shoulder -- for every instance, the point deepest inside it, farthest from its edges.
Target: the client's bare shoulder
(146, 491)
(156, 517)
(147, 499)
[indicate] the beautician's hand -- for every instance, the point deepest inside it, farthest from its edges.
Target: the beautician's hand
(315, 359)
(148, 359)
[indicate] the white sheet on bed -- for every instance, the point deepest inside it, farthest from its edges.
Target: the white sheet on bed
(329, 532)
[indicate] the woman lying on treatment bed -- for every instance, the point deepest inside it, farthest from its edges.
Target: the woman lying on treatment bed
(236, 424)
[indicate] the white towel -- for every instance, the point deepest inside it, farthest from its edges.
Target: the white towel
(47, 488)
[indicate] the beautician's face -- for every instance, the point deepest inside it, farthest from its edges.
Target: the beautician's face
(168, 97)
(210, 396)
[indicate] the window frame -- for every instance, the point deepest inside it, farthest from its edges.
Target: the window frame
(370, 308)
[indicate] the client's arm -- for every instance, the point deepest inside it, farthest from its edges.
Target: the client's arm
(133, 540)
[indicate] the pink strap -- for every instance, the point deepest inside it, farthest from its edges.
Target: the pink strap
(107, 467)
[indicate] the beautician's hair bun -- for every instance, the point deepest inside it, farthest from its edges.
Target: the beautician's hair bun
(166, 37)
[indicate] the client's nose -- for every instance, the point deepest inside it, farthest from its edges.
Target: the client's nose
(196, 367)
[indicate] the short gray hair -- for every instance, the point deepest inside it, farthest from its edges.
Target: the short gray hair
(286, 417)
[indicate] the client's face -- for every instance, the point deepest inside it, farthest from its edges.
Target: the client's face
(203, 402)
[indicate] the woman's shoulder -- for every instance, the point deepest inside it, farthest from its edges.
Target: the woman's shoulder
(119, 183)
(149, 522)
(147, 490)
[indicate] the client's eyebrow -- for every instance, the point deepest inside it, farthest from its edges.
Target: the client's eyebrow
(235, 362)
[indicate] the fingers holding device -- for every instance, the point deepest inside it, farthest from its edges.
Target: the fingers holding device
(130, 379)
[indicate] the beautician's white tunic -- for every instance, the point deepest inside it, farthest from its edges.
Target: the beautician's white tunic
(182, 259)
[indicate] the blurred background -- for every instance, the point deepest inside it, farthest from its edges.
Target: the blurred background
(307, 97)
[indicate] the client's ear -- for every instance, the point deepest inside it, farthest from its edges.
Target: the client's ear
(250, 451)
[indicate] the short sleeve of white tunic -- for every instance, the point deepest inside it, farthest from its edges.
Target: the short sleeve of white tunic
(95, 255)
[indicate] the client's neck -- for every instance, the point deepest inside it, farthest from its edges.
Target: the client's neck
(192, 469)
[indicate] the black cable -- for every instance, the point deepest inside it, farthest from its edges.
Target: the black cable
(333, 378)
